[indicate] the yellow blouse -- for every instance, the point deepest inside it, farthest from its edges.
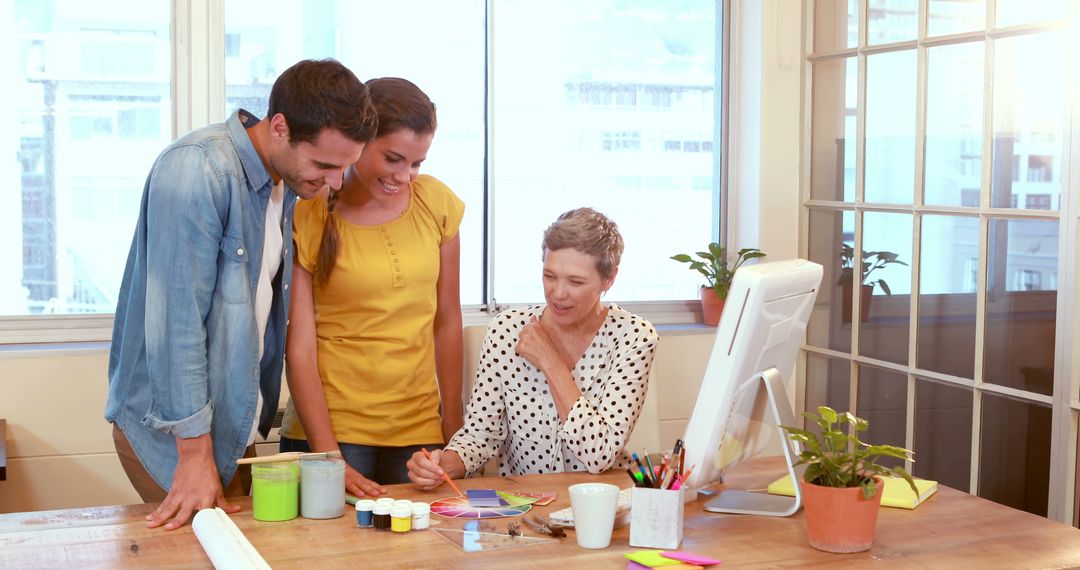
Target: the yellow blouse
(374, 319)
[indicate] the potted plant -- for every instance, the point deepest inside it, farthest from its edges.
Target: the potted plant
(871, 261)
(718, 275)
(841, 487)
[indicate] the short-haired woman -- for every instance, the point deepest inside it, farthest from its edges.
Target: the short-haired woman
(559, 386)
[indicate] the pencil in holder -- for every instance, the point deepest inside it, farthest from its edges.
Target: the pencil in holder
(656, 518)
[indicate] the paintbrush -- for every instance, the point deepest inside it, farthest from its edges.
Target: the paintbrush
(289, 456)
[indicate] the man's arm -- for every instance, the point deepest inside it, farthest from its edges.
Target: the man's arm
(185, 238)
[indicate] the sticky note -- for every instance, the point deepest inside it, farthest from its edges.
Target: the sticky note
(484, 498)
(651, 558)
(691, 558)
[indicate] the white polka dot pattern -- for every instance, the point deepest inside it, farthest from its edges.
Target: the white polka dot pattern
(512, 413)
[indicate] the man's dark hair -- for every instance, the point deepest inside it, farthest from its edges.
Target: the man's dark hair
(314, 95)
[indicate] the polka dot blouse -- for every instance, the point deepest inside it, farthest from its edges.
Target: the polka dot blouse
(512, 413)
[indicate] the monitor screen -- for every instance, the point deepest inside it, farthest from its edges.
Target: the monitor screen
(763, 326)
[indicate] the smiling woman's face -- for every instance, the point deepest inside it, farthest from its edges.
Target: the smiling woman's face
(572, 285)
(391, 161)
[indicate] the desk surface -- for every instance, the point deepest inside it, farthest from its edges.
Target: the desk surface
(952, 529)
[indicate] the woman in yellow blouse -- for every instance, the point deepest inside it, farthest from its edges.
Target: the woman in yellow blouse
(374, 340)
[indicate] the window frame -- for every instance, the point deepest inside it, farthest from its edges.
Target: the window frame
(1063, 498)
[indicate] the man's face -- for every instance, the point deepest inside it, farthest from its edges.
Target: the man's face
(309, 167)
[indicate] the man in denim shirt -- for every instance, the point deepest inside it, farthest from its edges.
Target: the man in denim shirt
(200, 324)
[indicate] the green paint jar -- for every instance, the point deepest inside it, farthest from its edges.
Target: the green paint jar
(274, 490)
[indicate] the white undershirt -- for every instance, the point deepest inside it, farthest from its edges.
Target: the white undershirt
(264, 292)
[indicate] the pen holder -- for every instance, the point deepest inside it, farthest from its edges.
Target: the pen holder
(656, 518)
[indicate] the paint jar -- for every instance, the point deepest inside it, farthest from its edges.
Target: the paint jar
(402, 502)
(322, 488)
(364, 508)
(274, 490)
(380, 516)
(421, 515)
(384, 501)
(401, 518)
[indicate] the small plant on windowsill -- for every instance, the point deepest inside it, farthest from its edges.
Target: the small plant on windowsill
(841, 487)
(713, 264)
(871, 262)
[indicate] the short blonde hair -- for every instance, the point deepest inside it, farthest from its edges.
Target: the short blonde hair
(589, 232)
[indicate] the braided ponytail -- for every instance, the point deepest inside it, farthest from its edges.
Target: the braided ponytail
(328, 247)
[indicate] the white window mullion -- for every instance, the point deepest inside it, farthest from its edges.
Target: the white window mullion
(1063, 436)
(198, 86)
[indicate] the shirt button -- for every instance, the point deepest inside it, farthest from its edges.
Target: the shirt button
(240, 251)
(286, 287)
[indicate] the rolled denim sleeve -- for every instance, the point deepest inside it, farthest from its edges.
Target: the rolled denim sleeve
(184, 237)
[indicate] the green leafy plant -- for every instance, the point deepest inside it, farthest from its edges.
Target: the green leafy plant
(838, 459)
(714, 267)
(871, 261)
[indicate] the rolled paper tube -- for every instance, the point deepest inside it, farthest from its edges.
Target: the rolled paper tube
(223, 542)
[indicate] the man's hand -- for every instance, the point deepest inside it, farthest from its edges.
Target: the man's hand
(195, 486)
(359, 486)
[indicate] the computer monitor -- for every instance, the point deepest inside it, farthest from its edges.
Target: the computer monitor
(760, 333)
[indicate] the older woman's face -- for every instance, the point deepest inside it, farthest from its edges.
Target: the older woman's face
(572, 285)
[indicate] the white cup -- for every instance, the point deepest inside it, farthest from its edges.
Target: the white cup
(594, 507)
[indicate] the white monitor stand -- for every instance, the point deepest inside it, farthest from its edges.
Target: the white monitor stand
(761, 503)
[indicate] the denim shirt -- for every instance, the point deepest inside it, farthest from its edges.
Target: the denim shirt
(184, 357)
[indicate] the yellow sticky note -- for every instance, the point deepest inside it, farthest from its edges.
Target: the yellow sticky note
(651, 558)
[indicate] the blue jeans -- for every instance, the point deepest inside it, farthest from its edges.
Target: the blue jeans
(383, 465)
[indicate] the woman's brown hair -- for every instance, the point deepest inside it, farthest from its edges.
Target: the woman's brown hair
(400, 105)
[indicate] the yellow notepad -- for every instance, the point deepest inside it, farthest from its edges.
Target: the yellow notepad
(897, 493)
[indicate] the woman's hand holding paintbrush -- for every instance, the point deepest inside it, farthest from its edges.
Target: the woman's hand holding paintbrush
(428, 470)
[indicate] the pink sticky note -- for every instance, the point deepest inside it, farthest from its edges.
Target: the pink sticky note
(631, 565)
(691, 558)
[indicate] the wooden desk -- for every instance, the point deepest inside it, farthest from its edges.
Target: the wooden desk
(950, 530)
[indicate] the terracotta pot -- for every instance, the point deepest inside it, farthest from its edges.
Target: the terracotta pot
(711, 306)
(840, 519)
(866, 296)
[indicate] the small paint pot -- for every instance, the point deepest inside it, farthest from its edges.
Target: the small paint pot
(421, 515)
(380, 516)
(364, 508)
(274, 490)
(401, 518)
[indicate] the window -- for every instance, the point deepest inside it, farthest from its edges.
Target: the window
(91, 112)
(524, 134)
(977, 292)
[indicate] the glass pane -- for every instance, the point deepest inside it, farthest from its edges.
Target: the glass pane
(882, 401)
(1029, 114)
(263, 38)
(91, 113)
(943, 434)
(949, 270)
(1021, 297)
(886, 286)
(890, 127)
(836, 25)
(1014, 453)
(828, 383)
(836, 84)
(616, 111)
(830, 322)
(955, 16)
(954, 119)
(892, 21)
(1013, 12)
